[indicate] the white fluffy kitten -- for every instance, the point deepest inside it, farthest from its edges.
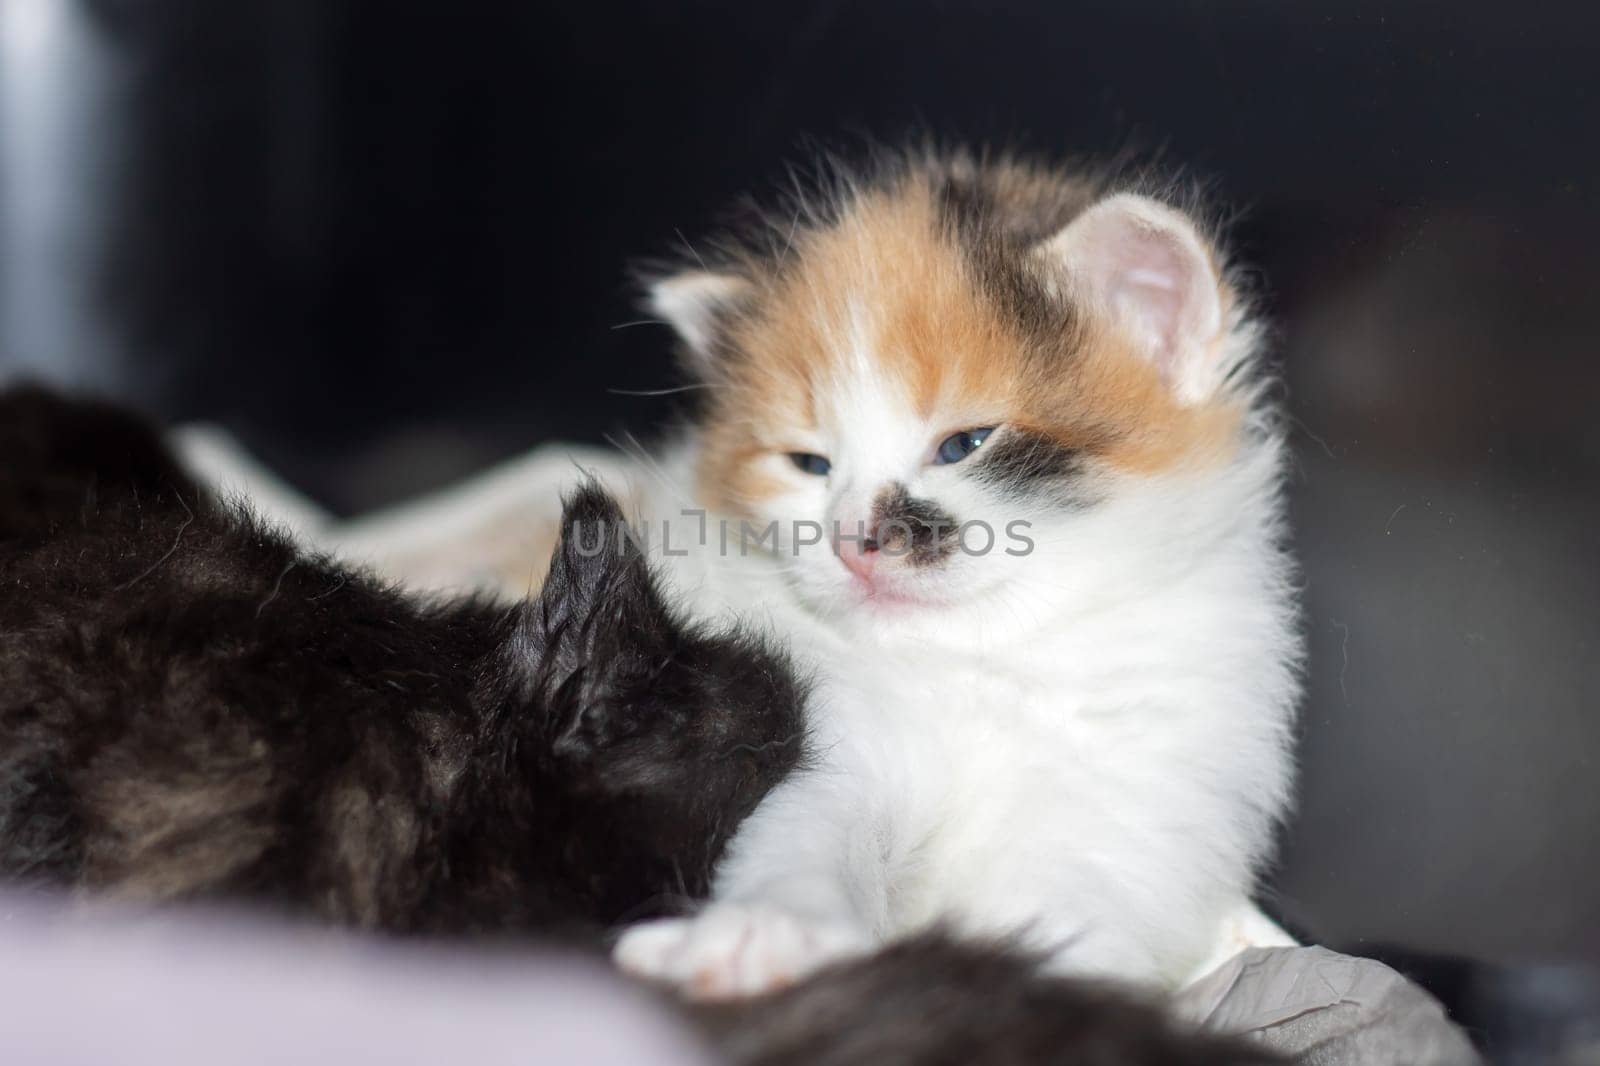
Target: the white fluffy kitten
(1026, 494)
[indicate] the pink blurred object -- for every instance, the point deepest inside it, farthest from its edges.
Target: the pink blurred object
(92, 986)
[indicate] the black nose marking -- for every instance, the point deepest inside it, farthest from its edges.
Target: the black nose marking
(907, 526)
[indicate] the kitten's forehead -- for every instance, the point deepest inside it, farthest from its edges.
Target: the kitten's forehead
(867, 411)
(886, 300)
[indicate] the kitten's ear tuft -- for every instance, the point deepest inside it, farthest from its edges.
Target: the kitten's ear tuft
(697, 304)
(596, 624)
(596, 572)
(1147, 266)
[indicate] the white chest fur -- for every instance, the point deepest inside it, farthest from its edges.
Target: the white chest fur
(1101, 780)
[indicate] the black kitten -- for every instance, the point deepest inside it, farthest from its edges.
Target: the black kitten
(190, 706)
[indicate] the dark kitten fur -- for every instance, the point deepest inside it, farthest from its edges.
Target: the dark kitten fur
(190, 706)
(935, 1001)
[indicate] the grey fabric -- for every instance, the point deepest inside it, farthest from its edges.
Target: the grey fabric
(1326, 1009)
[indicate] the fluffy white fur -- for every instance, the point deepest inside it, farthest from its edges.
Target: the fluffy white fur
(1087, 746)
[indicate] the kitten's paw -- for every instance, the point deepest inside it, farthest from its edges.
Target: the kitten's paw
(733, 949)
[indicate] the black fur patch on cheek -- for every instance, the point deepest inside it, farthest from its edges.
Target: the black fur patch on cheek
(1028, 465)
(909, 527)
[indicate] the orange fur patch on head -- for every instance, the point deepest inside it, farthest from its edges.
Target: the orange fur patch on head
(1113, 404)
(970, 330)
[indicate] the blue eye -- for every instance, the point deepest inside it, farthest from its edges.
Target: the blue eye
(958, 446)
(811, 464)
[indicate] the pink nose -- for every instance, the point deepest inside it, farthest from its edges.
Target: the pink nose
(859, 557)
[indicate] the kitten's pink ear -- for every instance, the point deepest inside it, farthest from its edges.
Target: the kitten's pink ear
(1146, 266)
(697, 304)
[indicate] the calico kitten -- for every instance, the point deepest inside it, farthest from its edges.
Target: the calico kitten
(999, 460)
(191, 707)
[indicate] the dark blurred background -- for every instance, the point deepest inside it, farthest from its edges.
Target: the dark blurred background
(386, 244)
